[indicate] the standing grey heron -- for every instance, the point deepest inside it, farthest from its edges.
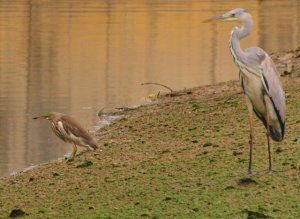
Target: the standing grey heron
(259, 80)
(68, 130)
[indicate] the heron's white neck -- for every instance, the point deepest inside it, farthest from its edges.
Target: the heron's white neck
(240, 33)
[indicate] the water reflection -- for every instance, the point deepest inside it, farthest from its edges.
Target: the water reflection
(79, 56)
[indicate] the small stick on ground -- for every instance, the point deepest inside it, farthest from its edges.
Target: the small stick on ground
(162, 85)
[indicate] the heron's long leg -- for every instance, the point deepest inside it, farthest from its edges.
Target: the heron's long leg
(73, 153)
(267, 101)
(250, 109)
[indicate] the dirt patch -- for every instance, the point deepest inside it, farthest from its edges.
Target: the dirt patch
(288, 63)
(246, 181)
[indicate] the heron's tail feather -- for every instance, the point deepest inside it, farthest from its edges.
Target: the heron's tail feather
(277, 135)
(94, 145)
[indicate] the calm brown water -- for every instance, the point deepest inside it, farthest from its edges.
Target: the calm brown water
(79, 56)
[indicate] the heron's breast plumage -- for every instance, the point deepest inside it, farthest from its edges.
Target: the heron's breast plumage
(254, 89)
(57, 131)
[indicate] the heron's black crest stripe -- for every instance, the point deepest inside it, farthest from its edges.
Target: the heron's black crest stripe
(266, 82)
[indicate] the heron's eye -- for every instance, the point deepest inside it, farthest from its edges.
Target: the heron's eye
(232, 15)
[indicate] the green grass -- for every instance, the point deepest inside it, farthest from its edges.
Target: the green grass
(183, 158)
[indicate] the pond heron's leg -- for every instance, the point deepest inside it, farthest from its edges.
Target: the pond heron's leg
(73, 153)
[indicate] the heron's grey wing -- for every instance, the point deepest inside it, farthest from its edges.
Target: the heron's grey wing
(261, 62)
(271, 79)
(254, 56)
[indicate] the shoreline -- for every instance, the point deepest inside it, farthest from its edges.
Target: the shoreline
(287, 63)
(183, 157)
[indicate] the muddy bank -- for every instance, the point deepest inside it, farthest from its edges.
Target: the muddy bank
(184, 157)
(288, 62)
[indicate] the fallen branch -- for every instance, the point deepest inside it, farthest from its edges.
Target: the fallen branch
(162, 85)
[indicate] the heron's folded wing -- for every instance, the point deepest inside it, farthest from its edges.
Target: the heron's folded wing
(74, 128)
(261, 63)
(272, 84)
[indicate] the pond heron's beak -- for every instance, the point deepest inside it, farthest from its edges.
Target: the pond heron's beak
(40, 117)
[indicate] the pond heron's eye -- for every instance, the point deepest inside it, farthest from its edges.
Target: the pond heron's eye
(232, 15)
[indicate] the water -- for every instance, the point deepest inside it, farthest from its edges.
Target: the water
(79, 56)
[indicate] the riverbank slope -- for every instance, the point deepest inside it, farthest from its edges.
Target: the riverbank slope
(184, 157)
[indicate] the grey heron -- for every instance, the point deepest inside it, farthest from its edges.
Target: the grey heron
(260, 82)
(68, 130)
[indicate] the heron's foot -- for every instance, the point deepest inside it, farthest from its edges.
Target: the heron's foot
(249, 173)
(270, 171)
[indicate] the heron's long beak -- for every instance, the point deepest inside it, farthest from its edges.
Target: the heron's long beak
(220, 17)
(40, 117)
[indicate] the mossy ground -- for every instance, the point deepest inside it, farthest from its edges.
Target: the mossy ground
(185, 157)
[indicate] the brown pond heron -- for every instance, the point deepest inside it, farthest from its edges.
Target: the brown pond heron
(68, 130)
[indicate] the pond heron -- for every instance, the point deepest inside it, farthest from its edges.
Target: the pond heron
(68, 130)
(260, 81)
